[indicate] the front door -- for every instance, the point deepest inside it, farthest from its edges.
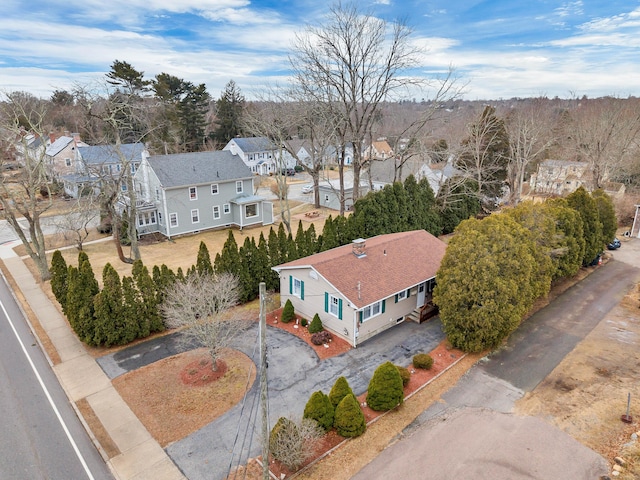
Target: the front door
(421, 295)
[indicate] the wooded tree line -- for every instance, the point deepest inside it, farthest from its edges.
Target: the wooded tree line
(494, 269)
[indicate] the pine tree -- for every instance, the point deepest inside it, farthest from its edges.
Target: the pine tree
(149, 319)
(349, 419)
(586, 206)
(203, 262)
(229, 108)
(132, 310)
(263, 266)
(109, 318)
(385, 388)
(339, 390)
(311, 239)
(59, 271)
(316, 324)
(84, 290)
(229, 259)
(320, 409)
(274, 248)
(301, 241)
(247, 270)
(329, 236)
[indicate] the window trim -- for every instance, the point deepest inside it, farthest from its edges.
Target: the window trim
(226, 208)
(196, 216)
(334, 302)
(251, 205)
(173, 220)
(193, 193)
(216, 212)
(214, 186)
(370, 308)
(239, 188)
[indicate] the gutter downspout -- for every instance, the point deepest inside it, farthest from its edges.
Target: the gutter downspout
(166, 213)
(355, 324)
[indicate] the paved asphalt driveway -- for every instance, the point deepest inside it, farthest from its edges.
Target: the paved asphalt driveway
(478, 440)
(294, 373)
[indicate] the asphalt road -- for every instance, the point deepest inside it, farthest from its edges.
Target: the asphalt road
(495, 383)
(40, 434)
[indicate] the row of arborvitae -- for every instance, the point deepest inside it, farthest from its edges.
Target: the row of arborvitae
(125, 309)
(293, 443)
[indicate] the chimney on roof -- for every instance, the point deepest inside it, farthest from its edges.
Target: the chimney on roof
(52, 137)
(66, 133)
(76, 138)
(358, 247)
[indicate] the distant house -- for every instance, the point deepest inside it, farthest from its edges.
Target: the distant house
(384, 171)
(329, 191)
(99, 163)
(378, 150)
(302, 150)
(362, 289)
(562, 177)
(28, 145)
(60, 155)
(258, 153)
(190, 192)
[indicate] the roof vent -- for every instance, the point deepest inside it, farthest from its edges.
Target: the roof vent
(358, 246)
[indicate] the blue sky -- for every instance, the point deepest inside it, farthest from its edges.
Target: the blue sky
(502, 48)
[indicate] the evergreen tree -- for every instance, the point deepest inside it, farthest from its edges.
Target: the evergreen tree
(163, 277)
(59, 271)
(301, 241)
(320, 409)
(586, 206)
(343, 230)
(247, 270)
(110, 328)
(229, 259)
(316, 324)
(229, 109)
(193, 108)
(132, 309)
(288, 312)
(329, 235)
(127, 79)
(339, 390)
(283, 244)
(203, 262)
(274, 248)
(385, 388)
(82, 288)
(311, 239)
(149, 317)
(263, 266)
(349, 419)
(606, 214)
(569, 243)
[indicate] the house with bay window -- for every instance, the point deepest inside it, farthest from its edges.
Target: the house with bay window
(362, 289)
(190, 192)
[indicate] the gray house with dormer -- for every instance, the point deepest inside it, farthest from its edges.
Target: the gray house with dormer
(189, 192)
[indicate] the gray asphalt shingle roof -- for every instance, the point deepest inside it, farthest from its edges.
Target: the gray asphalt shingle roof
(57, 146)
(182, 169)
(254, 144)
(106, 154)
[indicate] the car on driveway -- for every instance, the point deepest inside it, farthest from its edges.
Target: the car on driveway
(615, 244)
(307, 188)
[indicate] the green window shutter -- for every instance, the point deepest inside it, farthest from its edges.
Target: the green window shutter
(290, 284)
(360, 313)
(301, 290)
(408, 292)
(396, 298)
(339, 309)
(326, 302)
(383, 302)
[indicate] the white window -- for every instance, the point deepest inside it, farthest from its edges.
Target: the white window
(371, 311)
(67, 162)
(214, 189)
(239, 186)
(216, 212)
(173, 220)
(146, 218)
(134, 167)
(118, 167)
(297, 287)
(160, 218)
(402, 295)
(226, 208)
(326, 198)
(123, 187)
(195, 216)
(157, 194)
(193, 193)
(251, 210)
(334, 306)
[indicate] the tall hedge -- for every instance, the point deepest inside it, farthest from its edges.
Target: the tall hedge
(385, 388)
(320, 409)
(349, 420)
(59, 270)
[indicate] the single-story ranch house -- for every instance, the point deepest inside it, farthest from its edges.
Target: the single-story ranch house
(362, 289)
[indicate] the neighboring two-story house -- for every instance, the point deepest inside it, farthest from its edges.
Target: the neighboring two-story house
(190, 192)
(60, 154)
(560, 177)
(378, 150)
(362, 289)
(258, 153)
(96, 164)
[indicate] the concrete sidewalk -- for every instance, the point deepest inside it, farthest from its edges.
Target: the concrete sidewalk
(140, 457)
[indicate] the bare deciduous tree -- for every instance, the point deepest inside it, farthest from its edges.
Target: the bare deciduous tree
(352, 63)
(26, 193)
(294, 442)
(201, 305)
(75, 224)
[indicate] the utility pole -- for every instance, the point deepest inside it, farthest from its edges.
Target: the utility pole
(263, 382)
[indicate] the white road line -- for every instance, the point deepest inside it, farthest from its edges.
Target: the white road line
(46, 392)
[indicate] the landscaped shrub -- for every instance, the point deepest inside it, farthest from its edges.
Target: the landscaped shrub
(339, 390)
(320, 338)
(294, 443)
(304, 322)
(288, 313)
(404, 374)
(423, 360)
(385, 388)
(349, 419)
(320, 409)
(316, 324)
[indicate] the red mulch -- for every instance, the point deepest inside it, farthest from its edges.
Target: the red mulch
(199, 372)
(335, 347)
(443, 357)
